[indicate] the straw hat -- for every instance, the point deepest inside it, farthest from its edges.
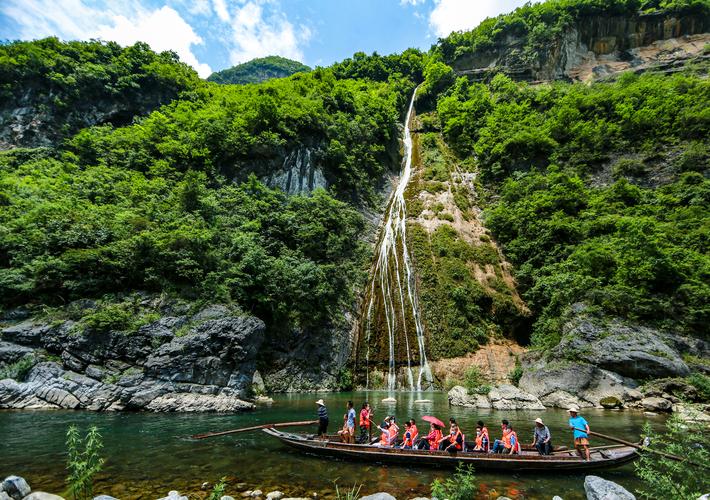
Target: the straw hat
(320, 402)
(572, 409)
(538, 420)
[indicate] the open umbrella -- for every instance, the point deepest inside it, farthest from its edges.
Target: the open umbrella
(433, 420)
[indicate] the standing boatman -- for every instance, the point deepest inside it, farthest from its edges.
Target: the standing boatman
(365, 416)
(322, 419)
(580, 427)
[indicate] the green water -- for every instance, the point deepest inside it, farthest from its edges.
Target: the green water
(148, 454)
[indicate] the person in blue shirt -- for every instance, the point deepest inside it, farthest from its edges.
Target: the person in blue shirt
(580, 427)
(350, 425)
(322, 419)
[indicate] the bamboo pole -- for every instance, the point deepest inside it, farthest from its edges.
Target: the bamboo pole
(254, 428)
(643, 448)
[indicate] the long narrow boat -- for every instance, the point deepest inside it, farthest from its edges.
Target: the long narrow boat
(528, 461)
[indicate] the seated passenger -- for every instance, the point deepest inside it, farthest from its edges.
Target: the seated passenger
(542, 440)
(509, 444)
(454, 441)
(481, 437)
(431, 441)
(499, 442)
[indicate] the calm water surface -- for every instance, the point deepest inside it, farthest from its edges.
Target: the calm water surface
(148, 454)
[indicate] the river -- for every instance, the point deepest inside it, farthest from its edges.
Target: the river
(148, 454)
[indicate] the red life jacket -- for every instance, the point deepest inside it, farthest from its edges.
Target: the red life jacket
(415, 432)
(392, 434)
(434, 439)
(364, 418)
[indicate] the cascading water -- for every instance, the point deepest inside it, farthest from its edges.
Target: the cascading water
(391, 277)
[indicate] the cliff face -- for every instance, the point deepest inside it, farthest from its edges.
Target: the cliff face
(591, 41)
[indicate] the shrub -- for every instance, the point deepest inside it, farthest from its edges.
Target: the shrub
(666, 478)
(19, 369)
(83, 461)
(462, 486)
(702, 383)
(515, 375)
(473, 378)
(218, 491)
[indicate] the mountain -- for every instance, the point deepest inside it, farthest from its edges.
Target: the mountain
(544, 214)
(259, 70)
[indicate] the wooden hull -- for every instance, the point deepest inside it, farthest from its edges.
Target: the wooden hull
(526, 462)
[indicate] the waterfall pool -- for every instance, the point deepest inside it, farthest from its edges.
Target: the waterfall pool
(148, 454)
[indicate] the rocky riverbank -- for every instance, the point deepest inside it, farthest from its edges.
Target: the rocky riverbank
(200, 362)
(16, 488)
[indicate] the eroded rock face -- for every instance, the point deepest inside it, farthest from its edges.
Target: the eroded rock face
(209, 368)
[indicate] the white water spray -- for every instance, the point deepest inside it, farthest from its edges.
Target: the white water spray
(390, 276)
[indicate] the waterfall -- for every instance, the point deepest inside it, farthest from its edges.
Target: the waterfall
(390, 277)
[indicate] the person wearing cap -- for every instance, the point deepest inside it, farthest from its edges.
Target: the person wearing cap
(322, 419)
(580, 427)
(542, 438)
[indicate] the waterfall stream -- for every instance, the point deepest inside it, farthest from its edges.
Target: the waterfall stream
(392, 277)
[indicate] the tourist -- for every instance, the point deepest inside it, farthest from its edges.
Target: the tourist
(407, 441)
(431, 441)
(542, 438)
(365, 416)
(455, 441)
(389, 430)
(498, 443)
(580, 427)
(482, 441)
(414, 430)
(343, 433)
(350, 424)
(508, 443)
(322, 419)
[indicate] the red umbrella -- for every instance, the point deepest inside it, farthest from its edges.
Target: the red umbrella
(433, 420)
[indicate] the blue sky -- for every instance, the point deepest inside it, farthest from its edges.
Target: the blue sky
(215, 34)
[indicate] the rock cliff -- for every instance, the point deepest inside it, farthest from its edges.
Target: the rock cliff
(203, 362)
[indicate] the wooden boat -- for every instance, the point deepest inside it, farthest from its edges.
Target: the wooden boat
(528, 461)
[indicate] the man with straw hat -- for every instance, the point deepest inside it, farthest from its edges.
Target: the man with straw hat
(580, 427)
(542, 438)
(322, 419)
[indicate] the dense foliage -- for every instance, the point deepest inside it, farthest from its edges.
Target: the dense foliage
(63, 80)
(259, 70)
(539, 24)
(666, 478)
(602, 192)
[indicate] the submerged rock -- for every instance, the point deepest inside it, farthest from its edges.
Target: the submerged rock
(598, 488)
(41, 495)
(610, 402)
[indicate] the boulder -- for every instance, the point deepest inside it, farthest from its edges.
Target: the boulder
(174, 495)
(691, 413)
(378, 496)
(256, 493)
(509, 397)
(11, 353)
(459, 396)
(16, 487)
(274, 495)
(27, 333)
(197, 403)
(656, 404)
(41, 495)
(598, 488)
(563, 399)
(610, 402)
(4, 496)
(226, 497)
(557, 497)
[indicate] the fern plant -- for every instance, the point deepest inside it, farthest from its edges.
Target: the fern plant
(83, 461)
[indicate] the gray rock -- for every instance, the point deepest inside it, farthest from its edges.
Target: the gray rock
(226, 497)
(28, 333)
(197, 403)
(11, 353)
(274, 495)
(598, 488)
(459, 396)
(104, 497)
(656, 404)
(4, 496)
(257, 383)
(611, 344)
(214, 311)
(41, 495)
(378, 496)
(556, 497)
(610, 402)
(256, 493)
(16, 487)
(509, 397)
(503, 498)
(174, 495)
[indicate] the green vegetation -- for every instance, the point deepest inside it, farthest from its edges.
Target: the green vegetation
(461, 486)
(64, 80)
(218, 490)
(665, 478)
(636, 251)
(259, 70)
(540, 24)
(517, 373)
(352, 493)
(702, 383)
(19, 369)
(83, 461)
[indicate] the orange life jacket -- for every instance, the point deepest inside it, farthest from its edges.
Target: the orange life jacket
(392, 437)
(364, 418)
(479, 441)
(434, 442)
(453, 438)
(408, 438)
(415, 432)
(507, 438)
(384, 438)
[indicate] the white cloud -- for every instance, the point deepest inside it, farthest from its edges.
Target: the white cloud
(257, 33)
(411, 2)
(125, 22)
(457, 15)
(162, 29)
(220, 7)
